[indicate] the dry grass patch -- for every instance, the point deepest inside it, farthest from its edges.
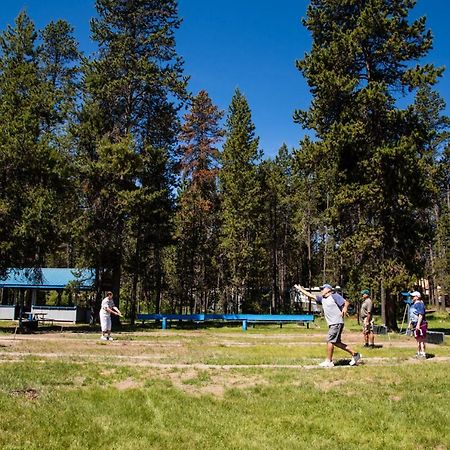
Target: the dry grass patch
(207, 381)
(129, 383)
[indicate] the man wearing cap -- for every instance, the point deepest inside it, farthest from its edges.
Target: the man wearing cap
(367, 319)
(334, 309)
(418, 323)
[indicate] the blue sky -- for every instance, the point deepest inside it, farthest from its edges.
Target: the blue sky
(250, 44)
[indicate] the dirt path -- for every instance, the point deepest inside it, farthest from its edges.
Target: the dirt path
(149, 361)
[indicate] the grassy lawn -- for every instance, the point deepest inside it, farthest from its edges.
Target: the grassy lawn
(220, 388)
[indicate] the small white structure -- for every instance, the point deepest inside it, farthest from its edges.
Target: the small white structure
(7, 312)
(303, 302)
(72, 314)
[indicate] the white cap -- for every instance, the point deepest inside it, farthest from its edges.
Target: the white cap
(415, 294)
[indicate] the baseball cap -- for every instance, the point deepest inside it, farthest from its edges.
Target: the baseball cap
(326, 286)
(415, 294)
(365, 291)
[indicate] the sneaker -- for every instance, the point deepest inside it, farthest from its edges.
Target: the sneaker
(110, 338)
(355, 358)
(422, 355)
(366, 345)
(103, 338)
(327, 363)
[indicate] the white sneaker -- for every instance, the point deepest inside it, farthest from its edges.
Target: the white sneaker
(103, 338)
(355, 358)
(327, 363)
(110, 338)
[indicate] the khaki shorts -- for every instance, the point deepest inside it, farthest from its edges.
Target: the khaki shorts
(367, 329)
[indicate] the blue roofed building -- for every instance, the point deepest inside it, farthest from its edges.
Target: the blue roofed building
(26, 290)
(49, 279)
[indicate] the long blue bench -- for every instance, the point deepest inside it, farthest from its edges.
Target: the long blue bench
(244, 318)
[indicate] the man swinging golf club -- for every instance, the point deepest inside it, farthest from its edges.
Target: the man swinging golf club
(334, 309)
(107, 308)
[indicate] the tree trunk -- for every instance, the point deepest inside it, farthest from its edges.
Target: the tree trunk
(116, 280)
(391, 312)
(383, 302)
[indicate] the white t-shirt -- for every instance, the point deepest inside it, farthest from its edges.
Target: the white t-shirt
(106, 303)
(332, 307)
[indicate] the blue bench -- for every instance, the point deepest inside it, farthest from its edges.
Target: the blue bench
(244, 318)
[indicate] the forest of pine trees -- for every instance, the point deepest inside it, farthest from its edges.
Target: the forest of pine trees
(108, 161)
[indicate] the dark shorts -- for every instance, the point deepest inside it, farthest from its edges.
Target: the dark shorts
(421, 334)
(334, 333)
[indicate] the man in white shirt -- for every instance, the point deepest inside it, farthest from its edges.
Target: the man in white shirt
(107, 308)
(334, 309)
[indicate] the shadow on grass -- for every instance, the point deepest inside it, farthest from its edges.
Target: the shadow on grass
(446, 331)
(342, 362)
(123, 327)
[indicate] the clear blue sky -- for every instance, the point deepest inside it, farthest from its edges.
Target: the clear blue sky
(250, 44)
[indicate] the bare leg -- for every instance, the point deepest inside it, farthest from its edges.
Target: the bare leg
(366, 337)
(330, 350)
(345, 347)
(421, 346)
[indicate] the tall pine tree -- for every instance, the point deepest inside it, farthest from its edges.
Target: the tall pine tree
(33, 167)
(371, 160)
(198, 204)
(242, 239)
(126, 138)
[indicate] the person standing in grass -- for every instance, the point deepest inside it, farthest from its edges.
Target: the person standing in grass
(107, 308)
(418, 323)
(366, 317)
(334, 309)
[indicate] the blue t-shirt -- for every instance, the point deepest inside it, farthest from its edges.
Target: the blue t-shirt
(332, 307)
(415, 310)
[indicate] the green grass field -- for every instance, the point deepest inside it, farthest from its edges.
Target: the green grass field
(221, 388)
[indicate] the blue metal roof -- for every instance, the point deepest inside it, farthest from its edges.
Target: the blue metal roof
(48, 278)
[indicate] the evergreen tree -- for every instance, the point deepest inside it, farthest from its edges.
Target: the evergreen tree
(442, 238)
(128, 125)
(197, 215)
(369, 157)
(242, 240)
(435, 127)
(59, 59)
(33, 169)
(283, 251)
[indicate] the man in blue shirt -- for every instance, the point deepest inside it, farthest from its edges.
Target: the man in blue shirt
(418, 323)
(334, 309)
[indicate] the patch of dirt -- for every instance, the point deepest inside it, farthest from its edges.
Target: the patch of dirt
(326, 386)
(215, 383)
(28, 394)
(78, 381)
(129, 383)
